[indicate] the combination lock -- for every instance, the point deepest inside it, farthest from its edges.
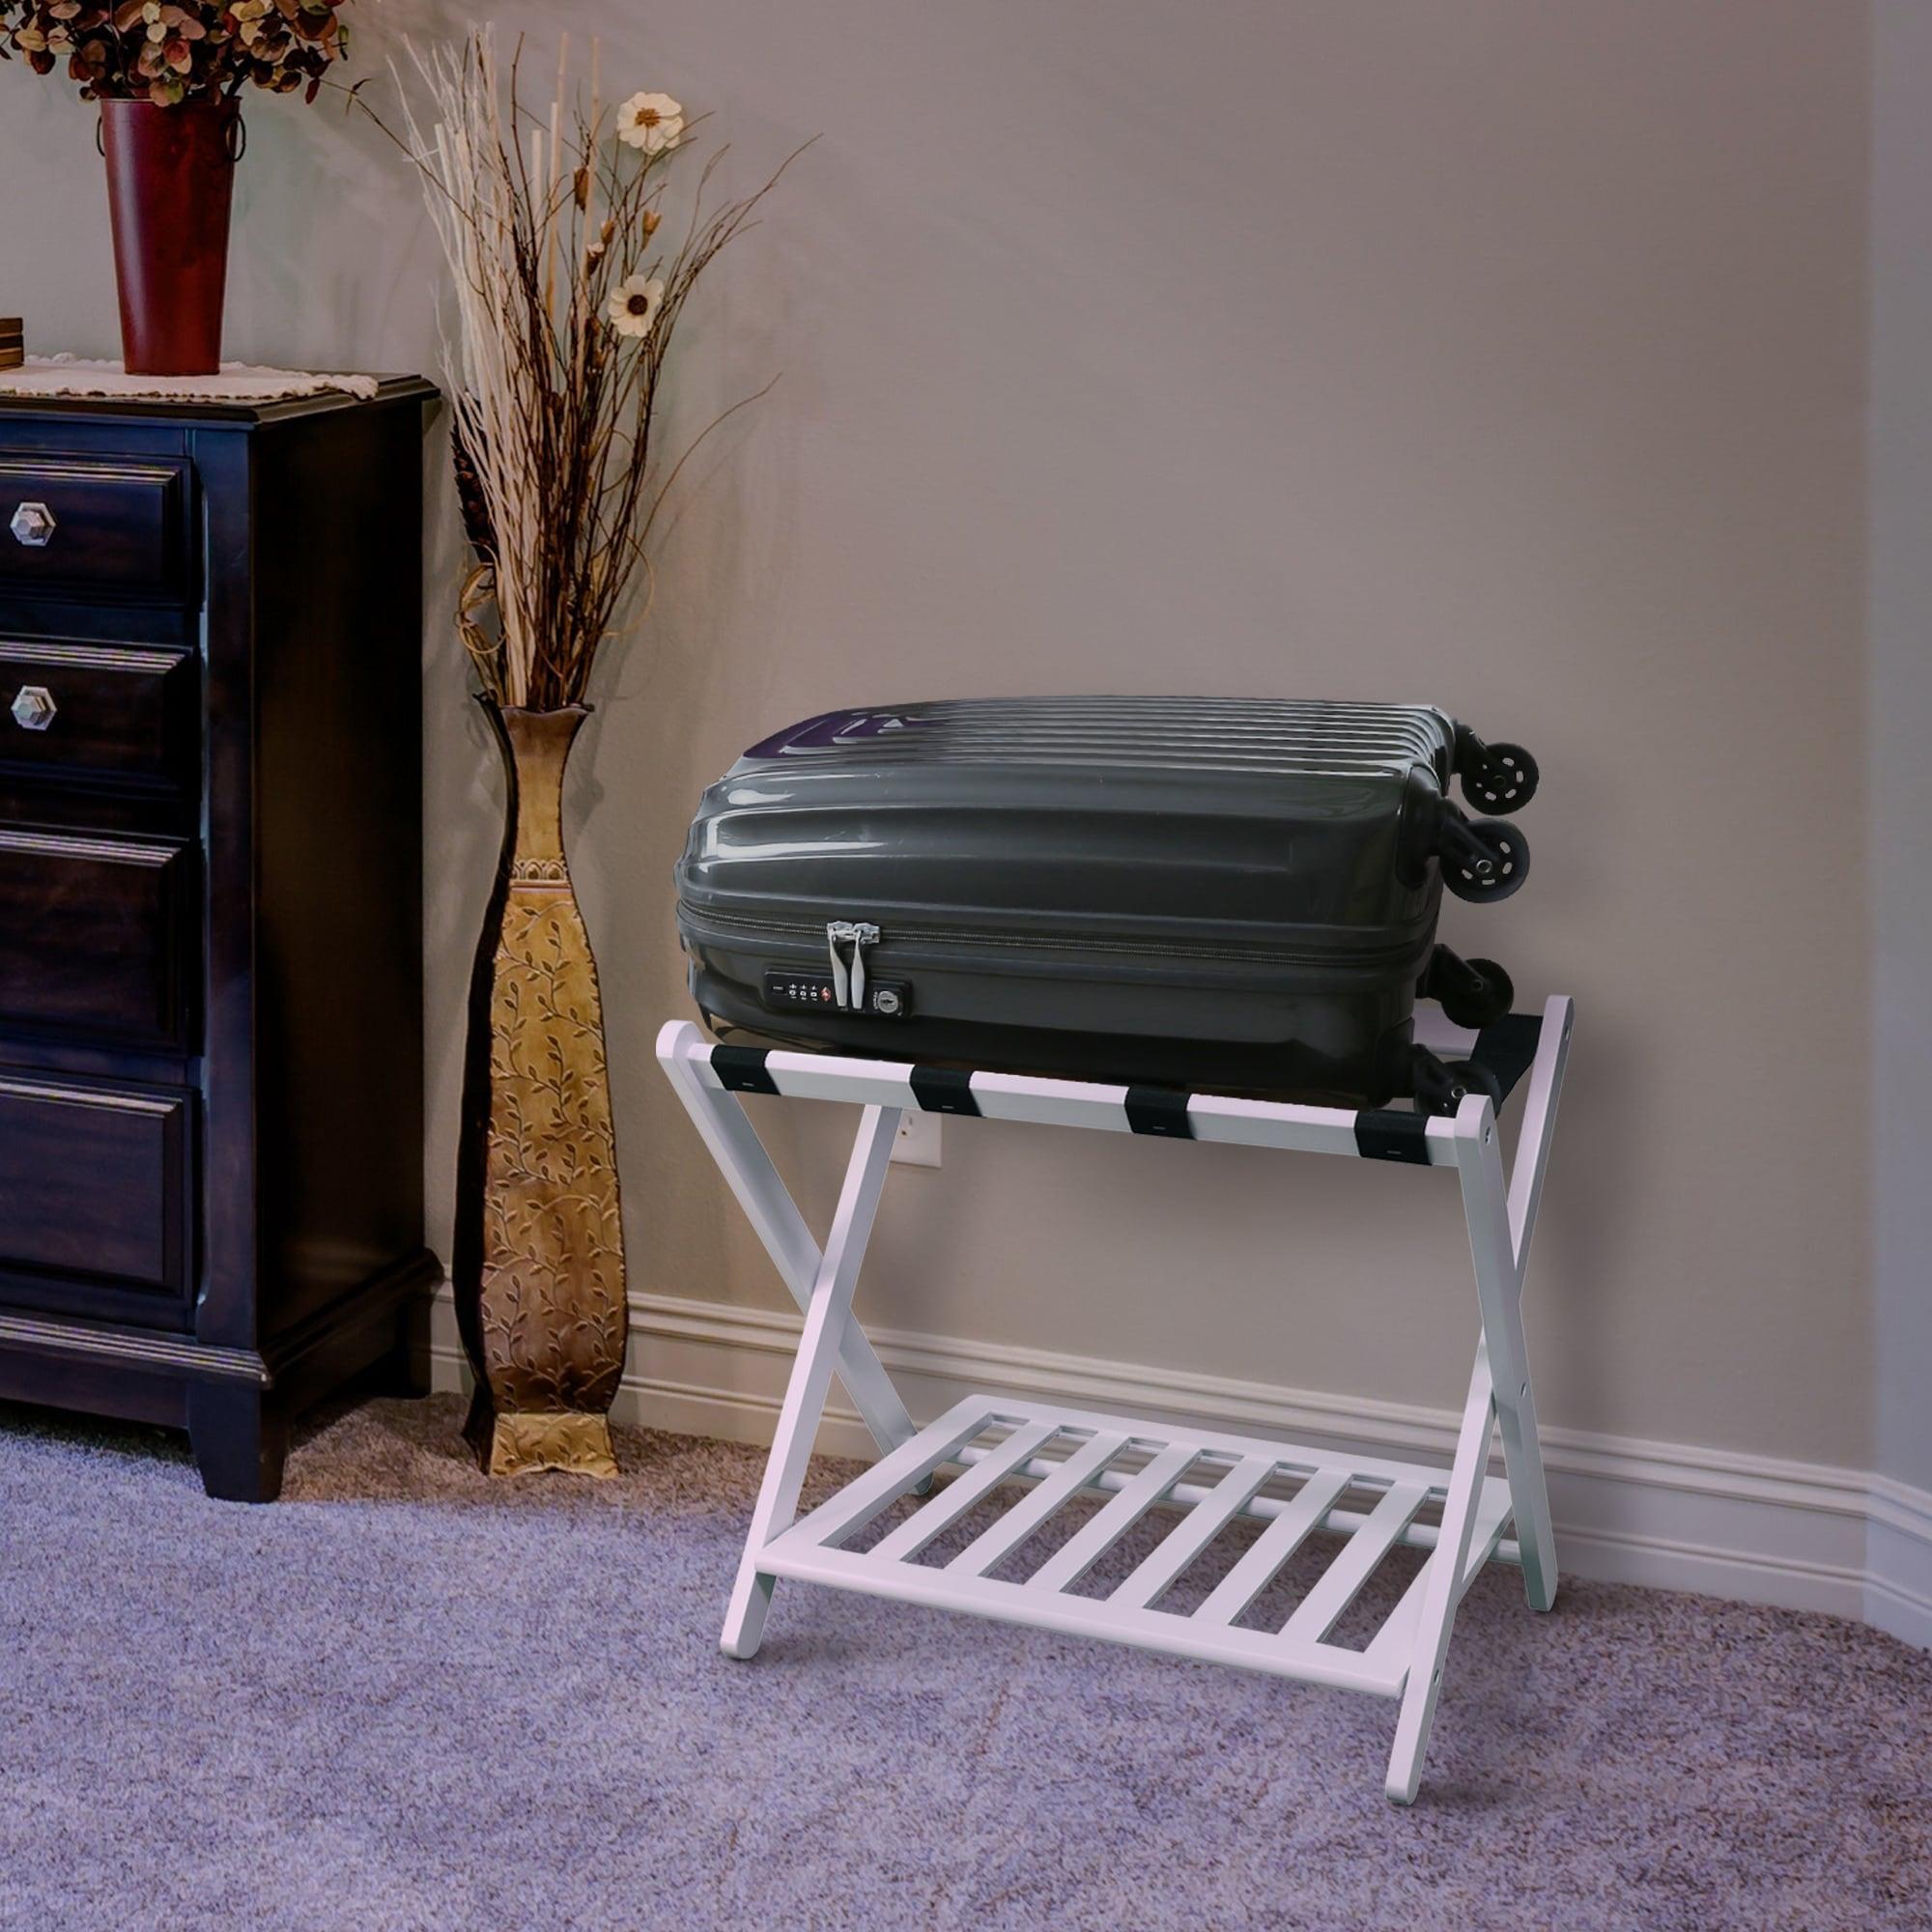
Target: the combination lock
(817, 992)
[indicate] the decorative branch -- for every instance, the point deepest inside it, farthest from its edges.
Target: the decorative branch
(563, 318)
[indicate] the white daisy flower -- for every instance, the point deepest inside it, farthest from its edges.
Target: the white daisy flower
(633, 306)
(652, 122)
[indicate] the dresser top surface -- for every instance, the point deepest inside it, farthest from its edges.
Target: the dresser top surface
(211, 409)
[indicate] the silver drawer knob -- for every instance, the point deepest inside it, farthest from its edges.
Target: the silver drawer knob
(32, 525)
(34, 707)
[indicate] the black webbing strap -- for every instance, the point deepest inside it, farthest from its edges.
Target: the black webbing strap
(1387, 1133)
(1507, 1047)
(944, 1089)
(1160, 1110)
(741, 1069)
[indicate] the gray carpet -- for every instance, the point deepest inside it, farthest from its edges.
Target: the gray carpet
(404, 1698)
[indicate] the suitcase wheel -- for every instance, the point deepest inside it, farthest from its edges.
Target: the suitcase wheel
(1471, 992)
(1503, 778)
(1473, 1077)
(1440, 1087)
(1435, 1088)
(1483, 860)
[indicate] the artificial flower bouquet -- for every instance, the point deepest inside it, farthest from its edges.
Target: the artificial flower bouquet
(166, 52)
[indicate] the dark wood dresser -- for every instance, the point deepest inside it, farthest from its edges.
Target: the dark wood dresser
(210, 912)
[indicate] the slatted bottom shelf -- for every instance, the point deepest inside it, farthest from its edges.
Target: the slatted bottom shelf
(1130, 1468)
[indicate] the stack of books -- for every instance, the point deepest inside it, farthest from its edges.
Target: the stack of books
(12, 352)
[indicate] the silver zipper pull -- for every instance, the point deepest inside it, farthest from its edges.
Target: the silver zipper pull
(848, 984)
(837, 932)
(863, 934)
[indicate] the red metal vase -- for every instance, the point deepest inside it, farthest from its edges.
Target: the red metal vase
(170, 179)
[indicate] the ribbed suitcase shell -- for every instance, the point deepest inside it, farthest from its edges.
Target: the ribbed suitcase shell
(1202, 891)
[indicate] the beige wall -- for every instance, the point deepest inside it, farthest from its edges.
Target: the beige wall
(1899, 490)
(1504, 355)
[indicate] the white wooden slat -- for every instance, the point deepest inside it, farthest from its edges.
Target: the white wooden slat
(1314, 1615)
(1213, 1117)
(1414, 1535)
(805, 1076)
(1391, 1646)
(1092, 1542)
(1194, 1532)
(1086, 1616)
(1053, 1103)
(1000, 1539)
(1293, 1458)
(890, 1476)
(1277, 1124)
(1394, 1644)
(962, 1493)
(1274, 1547)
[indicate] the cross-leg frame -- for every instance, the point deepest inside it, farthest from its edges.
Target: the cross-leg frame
(1500, 1226)
(775, 1219)
(1500, 1221)
(828, 1319)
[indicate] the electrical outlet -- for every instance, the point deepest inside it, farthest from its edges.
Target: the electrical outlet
(917, 1142)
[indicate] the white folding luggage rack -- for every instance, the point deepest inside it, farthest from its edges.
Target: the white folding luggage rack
(1137, 1465)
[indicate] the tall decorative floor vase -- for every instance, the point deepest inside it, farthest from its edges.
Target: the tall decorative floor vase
(170, 180)
(539, 1250)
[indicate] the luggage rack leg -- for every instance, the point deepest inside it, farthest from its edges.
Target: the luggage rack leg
(1443, 1584)
(1500, 1226)
(828, 1318)
(734, 1145)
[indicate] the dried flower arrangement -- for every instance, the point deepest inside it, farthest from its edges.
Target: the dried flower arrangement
(168, 51)
(564, 321)
(564, 309)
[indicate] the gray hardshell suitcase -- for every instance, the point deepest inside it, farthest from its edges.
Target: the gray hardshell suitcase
(1194, 890)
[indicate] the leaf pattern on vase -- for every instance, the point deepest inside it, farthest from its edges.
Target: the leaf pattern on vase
(552, 1290)
(549, 1318)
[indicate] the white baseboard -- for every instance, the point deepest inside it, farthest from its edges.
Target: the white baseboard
(1898, 1590)
(1801, 1535)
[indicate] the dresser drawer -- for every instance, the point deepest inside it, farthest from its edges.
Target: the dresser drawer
(97, 936)
(115, 528)
(95, 1182)
(86, 710)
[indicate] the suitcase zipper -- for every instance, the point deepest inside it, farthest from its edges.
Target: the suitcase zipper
(849, 979)
(848, 984)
